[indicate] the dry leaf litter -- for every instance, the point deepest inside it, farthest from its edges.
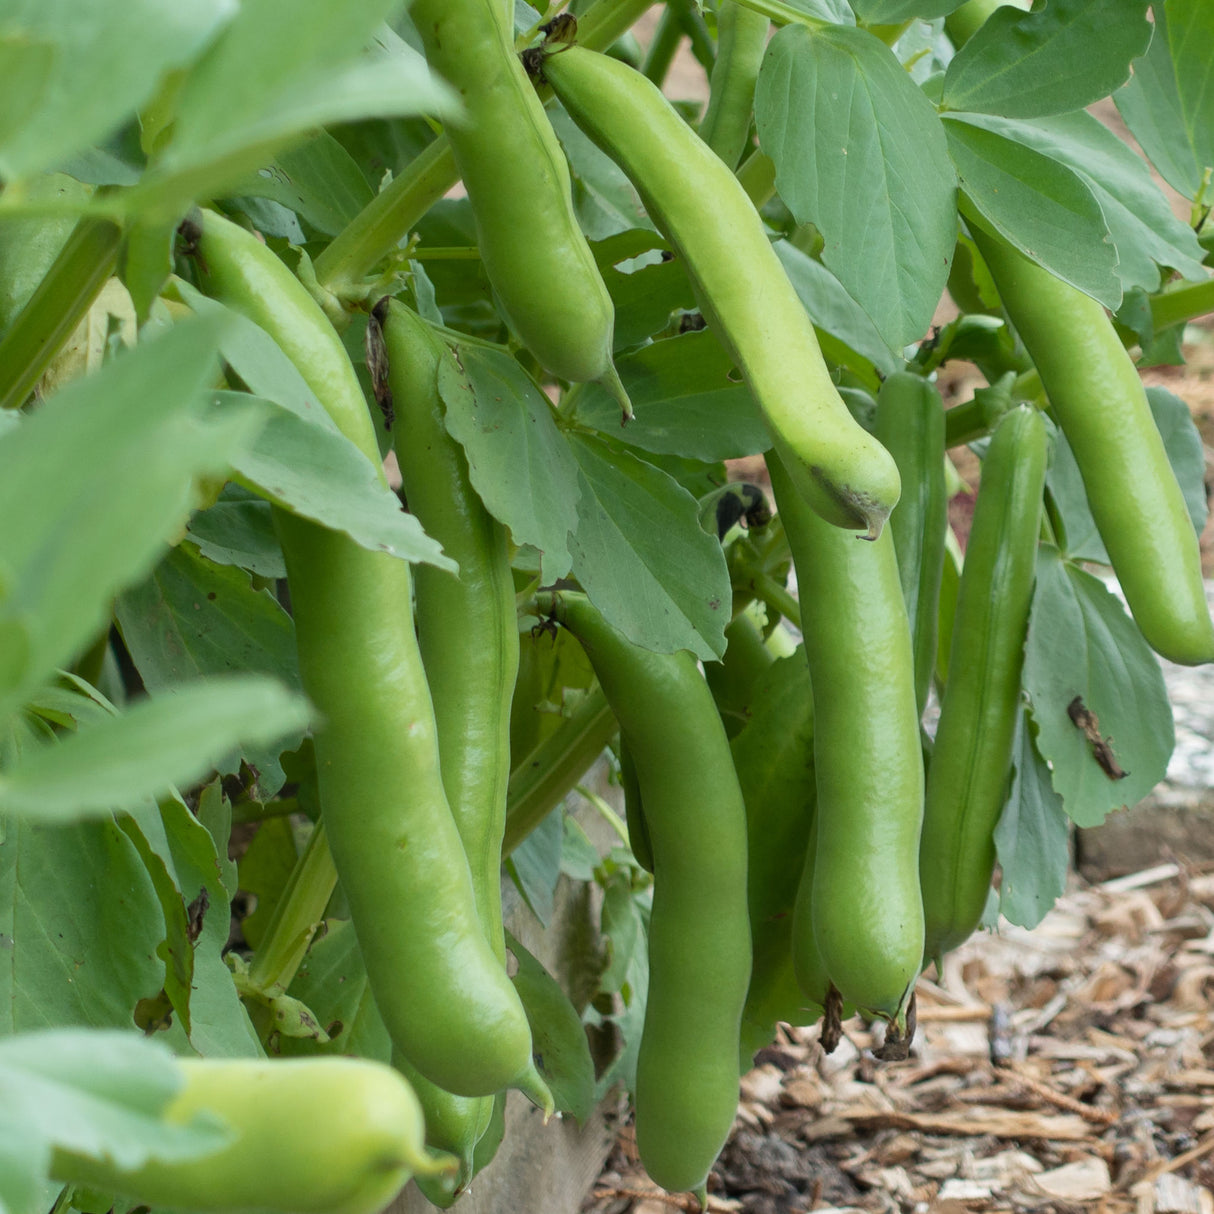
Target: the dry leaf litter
(1068, 1068)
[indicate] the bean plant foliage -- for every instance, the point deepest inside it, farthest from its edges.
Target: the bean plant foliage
(153, 722)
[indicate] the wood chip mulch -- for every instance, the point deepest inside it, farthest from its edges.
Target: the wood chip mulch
(1066, 1069)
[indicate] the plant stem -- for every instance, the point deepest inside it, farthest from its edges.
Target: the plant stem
(553, 768)
(384, 221)
(1185, 303)
(661, 52)
(757, 176)
(56, 307)
(298, 914)
(772, 594)
(389, 216)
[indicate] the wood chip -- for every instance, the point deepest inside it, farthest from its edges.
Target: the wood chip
(1082, 1180)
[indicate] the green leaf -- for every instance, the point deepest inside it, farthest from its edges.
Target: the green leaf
(1152, 107)
(101, 1095)
(1044, 208)
(149, 748)
(518, 461)
(773, 755)
(1186, 453)
(604, 200)
(318, 180)
(837, 12)
(562, 1052)
(689, 401)
(1081, 643)
(1031, 837)
(579, 857)
(622, 929)
(642, 556)
(80, 921)
(844, 329)
(860, 153)
(332, 983)
(71, 73)
(1145, 232)
(266, 82)
(219, 1025)
(316, 472)
(239, 530)
(645, 299)
(1190, 29)
(888, 12)
(94, 483)
(535, 866)
(193, 618)
(1062, 56)
(265, 869)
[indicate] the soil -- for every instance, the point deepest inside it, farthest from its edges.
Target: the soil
(1069, 1068)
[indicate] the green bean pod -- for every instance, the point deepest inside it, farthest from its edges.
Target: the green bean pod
(972, 757)
(866, 913)
(732, 679)
(910, 425)
(1101, 405)
(444, 996)
(541, 268)
(741, 41)
(746, 297)
(699, 936)
(467, 624)
(309, 1136)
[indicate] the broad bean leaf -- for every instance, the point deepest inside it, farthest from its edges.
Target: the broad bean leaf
(239, 530)
(1031, 836)
(71, 73)
(319, 474)
(773, 755)
(81, 923)
(332, 983)
(562, 1052)
(688, 398)
(1062, 56)
(1037, 203)
(642, 556)
(317, 180)
(265, 83)
(150, 747)
(604, 200)
(860, 153)
(265, 868)
(518, 460)
(1082, 643)
(889, 12)
(180, 856)
(535, 866)
(622, 930)
(1144, 230)
(194, 618)
(845, 331)
(837, 12)
(629, 925)
(1174, 132)
(579, 856)
(92, 485)
(1186, 453)
(100, 1094)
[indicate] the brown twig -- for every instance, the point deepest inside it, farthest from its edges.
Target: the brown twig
(1059, 1099)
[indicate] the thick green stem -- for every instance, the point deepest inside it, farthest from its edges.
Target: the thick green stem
(772, 594)
(56, 307)
(696, 29)
(381, 225)
(757, 176)
(550, 772)
(387, 219)
(1186, 303)
(661, 52)
(298, 914)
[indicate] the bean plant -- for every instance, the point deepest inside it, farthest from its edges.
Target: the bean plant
(374, 379)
